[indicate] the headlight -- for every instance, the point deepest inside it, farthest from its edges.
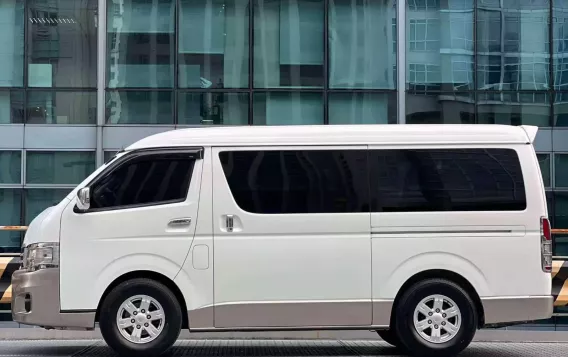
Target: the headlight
(38, 256)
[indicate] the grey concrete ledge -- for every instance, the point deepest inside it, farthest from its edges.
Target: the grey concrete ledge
(481, 336)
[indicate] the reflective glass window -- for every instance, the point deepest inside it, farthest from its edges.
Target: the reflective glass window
(10, 167)
(11, 43)
(513, 45)
(38, 199)
(514, 108)
(561, 170)
(10, 213)
(561, 210)
(139, 107)
(362, 108)
(440, 108)
(277, 108)
(62, 107)
(213, 48)
(561, 109)
(288, 43)
(213, 108)
(560, 40)
(58, 167)
(440, 48)
(359, 32)
(289, 182)
(140, 43)
(62, 43)
(11, 105)
(544, 162)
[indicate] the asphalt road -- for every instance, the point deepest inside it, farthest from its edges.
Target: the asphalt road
(277, 348)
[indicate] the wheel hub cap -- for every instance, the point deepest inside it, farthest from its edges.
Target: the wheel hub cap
(140, 319)
(437, 319)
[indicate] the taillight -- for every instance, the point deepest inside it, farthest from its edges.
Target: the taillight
(546, 244)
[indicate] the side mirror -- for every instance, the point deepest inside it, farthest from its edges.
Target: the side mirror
(84, 199)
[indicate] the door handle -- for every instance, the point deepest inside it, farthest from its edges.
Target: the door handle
(180, 222)
(230, 222)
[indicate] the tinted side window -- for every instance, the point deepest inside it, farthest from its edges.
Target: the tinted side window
(148, 179)
(273, 182)
(446, 180)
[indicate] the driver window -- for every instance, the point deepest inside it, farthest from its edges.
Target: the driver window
(146, 180)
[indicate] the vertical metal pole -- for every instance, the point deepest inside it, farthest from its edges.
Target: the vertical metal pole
(101, 78)
(401, 60)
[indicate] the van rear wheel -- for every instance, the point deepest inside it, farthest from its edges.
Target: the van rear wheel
(140, 317)
(435, 317)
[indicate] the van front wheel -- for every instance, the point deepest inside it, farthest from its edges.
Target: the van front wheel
(140, 317)
(435, 317)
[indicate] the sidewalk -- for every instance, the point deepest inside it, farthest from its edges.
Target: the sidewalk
(34, 333)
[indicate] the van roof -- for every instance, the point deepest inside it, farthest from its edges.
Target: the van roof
(341, 135)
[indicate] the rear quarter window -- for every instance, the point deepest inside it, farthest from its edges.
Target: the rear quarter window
(446, 180)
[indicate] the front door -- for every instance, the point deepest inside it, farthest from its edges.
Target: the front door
(142, 218)
(291, 237)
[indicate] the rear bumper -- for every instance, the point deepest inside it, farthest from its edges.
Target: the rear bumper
(517, 309)
(35, 301)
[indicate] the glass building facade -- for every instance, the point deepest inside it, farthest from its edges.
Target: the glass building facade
(80, 79)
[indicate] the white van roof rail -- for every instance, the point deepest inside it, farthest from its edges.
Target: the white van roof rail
(531, 131)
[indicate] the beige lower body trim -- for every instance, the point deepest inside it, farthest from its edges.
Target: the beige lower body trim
(41, 290)
(517, 309)
(292, 315)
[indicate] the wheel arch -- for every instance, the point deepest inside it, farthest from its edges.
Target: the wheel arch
(147, 274)
(447, 275)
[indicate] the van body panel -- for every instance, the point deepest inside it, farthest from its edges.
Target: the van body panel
(285, 263)
(100, 246)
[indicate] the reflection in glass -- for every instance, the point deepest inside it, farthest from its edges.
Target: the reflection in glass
(561, 109)
(513, 45)
(443, 108)
(213, 44)
(560, 38)
(62, 43)
(139, 107)
(288, 43)
(440, 49)
(37, 200)
(11, 43)
(213, 108)
(362, 108)
(10, 212)
(561, 210)
(359, 32)
(288, 108)
(140, 43)
(10, 167)
(514, 108)
(58, 167)
(11, 106)
(544, 162)
(561, 170)
(62, 107)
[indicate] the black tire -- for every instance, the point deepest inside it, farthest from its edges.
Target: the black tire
(413, 342)
(140, 286)
(389, 336)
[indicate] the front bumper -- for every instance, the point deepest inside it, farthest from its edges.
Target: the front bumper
(35, 301)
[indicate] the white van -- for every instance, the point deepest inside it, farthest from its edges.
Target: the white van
(423, 233)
